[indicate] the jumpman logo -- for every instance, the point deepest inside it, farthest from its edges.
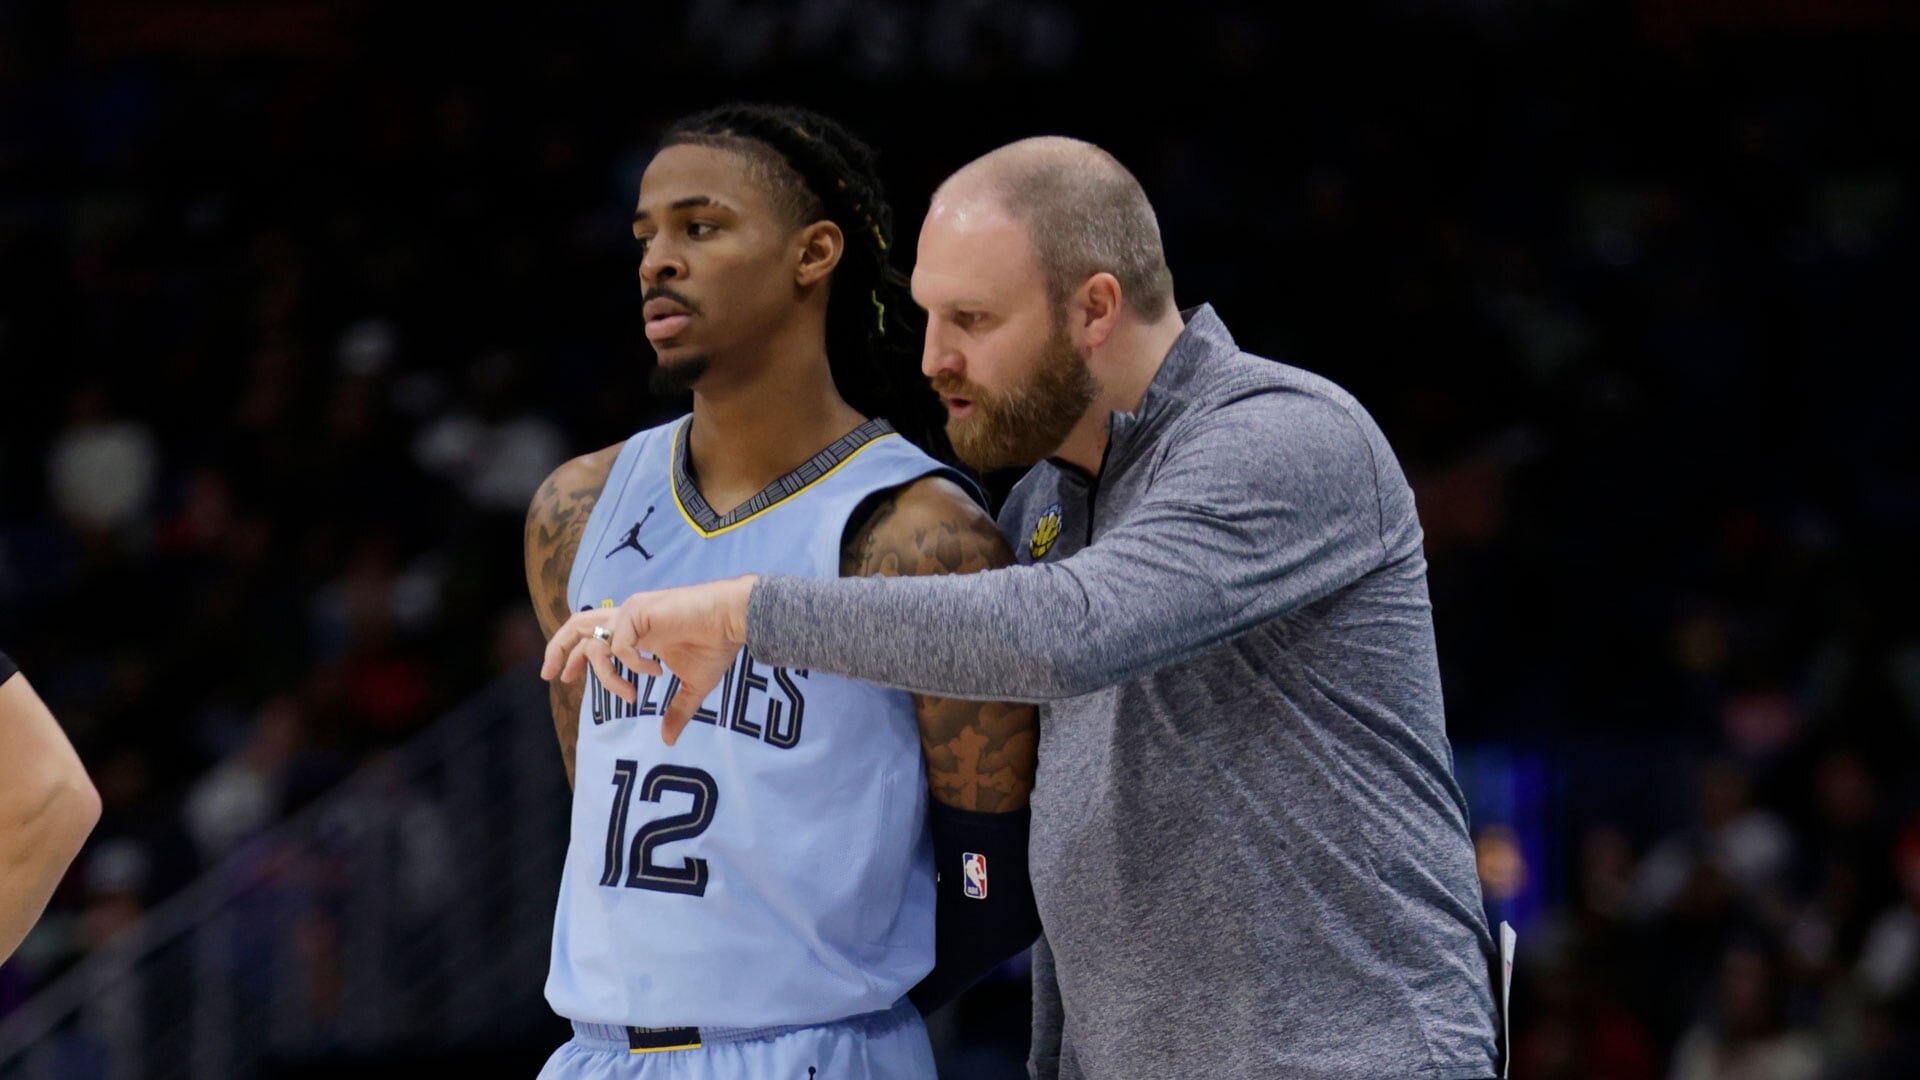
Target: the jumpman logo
(633, 539)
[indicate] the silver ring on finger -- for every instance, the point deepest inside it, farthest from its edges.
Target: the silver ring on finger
(601, 633)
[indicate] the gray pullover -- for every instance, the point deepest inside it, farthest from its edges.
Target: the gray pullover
(1250, 854)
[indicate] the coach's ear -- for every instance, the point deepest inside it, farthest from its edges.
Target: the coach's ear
(1094, 310)
(819, 249)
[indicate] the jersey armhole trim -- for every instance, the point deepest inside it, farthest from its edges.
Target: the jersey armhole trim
(603, 512)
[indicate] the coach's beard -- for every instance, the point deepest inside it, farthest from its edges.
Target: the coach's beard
(1029, 420)
(676, 379)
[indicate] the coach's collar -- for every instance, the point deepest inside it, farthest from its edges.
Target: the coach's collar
(1204, 338)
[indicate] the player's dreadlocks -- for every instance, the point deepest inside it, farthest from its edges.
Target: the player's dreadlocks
(817, 169)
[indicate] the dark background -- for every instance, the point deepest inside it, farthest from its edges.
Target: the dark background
(299, 300)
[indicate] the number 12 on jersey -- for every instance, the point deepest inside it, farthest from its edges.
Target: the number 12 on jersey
(641, 871)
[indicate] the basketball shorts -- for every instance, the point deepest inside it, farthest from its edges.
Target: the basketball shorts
(889, 1045)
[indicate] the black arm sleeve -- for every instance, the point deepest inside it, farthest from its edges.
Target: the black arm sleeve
(975, 934)
(8, 669)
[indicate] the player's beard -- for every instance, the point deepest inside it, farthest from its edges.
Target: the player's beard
(1029, 420)
(676, 379)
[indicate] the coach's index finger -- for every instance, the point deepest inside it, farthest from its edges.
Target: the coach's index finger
(680, 709)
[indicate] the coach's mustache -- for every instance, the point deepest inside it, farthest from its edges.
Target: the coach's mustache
(955, 386)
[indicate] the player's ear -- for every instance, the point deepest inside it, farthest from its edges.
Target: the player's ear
(1095, 309)
(820, 247)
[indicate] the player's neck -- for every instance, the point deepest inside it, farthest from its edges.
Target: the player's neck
(749, 432)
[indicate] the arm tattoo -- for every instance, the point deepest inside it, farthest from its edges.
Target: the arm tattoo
(980, 754)
(554, 523)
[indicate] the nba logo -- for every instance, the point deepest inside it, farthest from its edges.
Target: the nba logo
(974, 868)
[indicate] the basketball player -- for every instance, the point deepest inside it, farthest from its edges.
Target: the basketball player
(758, 899)
(47, 806)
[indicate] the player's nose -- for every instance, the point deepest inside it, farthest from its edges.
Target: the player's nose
(661, 263)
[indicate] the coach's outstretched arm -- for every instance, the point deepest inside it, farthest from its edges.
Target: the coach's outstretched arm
(47, 806)
(1269, 503)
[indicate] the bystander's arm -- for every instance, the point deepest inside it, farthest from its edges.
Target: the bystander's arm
(47, 806)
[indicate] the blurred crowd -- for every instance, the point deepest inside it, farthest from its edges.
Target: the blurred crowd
(297, 306)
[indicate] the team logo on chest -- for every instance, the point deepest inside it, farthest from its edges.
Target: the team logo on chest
(764, 703)
(1045, 532)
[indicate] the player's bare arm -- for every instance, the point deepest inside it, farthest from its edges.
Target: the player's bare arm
(980, 754)
(555, 521)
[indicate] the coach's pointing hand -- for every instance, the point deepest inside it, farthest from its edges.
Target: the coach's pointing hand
(694, 631)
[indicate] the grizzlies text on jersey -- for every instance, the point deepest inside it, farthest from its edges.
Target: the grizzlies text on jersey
(772, 867)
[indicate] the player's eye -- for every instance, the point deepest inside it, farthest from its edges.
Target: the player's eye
(643, 242)
(969, 319)
(698, 229)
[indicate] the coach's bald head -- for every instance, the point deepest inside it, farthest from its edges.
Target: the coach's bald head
(1049, 304)
(1083, 213)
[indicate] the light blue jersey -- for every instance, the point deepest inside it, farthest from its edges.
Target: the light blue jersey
(773, 867)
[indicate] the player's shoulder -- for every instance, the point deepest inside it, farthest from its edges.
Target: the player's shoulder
(936, 497)
(928, 502)
(927, 525)
(578, 478)
(556, 519)
(582, 478)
